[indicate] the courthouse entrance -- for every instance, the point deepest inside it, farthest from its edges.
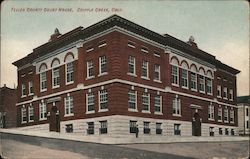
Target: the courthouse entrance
(196, 125)
(54, 119)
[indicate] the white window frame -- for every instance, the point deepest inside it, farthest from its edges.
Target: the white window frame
(202, 83)
(211, 112)
(231, 97)
(193, 81)
(156, 104)
(24, 114)
(43, 81)
(103, 98)
(90, 95)
(55, 77)
(184, 80)
(225, 93)
(23, 91)
(130, 94)
(146, 97)
(157, 73)
(70, 72)
(176, 106)
(131, 62)
(90, 65)
(144, 67)
(103, 64)
(175, 77)
(31, 112)
(231, 115)
(42, 111)
(220, 114)
(31, 88)
(68, 106)
(218, 90)
(226, 115)
(209, 86)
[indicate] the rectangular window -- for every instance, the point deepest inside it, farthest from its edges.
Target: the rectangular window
(91, 128)
(42, 110)
(176, 106)
(103, 99)
(69, 72)
(158, 104)
(131, 44)
(145, 102)
(144, 49)
(231, 94)
(31, 113)
(175, 75)
(89, 48)
(209, 86)
(232, 132)
(102, 43)
(246, 111)
(132, 126)
(56, 77)
(132, 99)
(90, 102)
(226, 131)
(220, 131)
(23, 90)
(219, 114)
(247, 124)
(211, 131)
(90, 69)
(219, 91)
(144, 71)
(211, 112)
(131, 65)
(225, 93)
(68, 102)
(30, 88)
(157, 72)
(158, 128)
(102, 65)
(225, 115)
(232, 116)
(177, 130)
(69, 128)
(157, 54)
(146, 128)
(202, 84)
(24, 115)
(193, 81)
(184, 78)
(104, 127)
(43, 81)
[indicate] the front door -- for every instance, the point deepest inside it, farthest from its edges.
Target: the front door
(196, 125)
(54, 120)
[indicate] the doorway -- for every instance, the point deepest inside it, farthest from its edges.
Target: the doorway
(196, 125)
(54, 120)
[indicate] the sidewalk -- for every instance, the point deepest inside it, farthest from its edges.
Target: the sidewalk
(106, 139)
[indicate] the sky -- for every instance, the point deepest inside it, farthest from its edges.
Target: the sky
(220, 28)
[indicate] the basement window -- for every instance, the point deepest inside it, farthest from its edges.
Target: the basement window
(69, 128)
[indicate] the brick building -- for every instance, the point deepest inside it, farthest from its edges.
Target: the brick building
(8, 100)
(114, 75)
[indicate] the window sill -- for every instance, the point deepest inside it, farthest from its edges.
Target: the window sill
(146, 78)
(132, 110)
(209, 94)
(226, 121)
(42, 119)
(225, 98)
(195, 90)
(158, 81)
(231, 122)
(91, 77)
(158, 113)
(102, 45)
(31, 121)
(177, 115)
(131, 74)
(102, 74)
(23, 122)
(90, 112)
(203, 92)
(184, 87)
(176, 85)
(68, 115)
(146, 111)
(102, 110)
(210, 119)
(23, 96)
(230, 99)
(219, 97)
(55, 87)
(68, 83)
(43, 90)
(31, 94)
(131, 46)
(220, 121)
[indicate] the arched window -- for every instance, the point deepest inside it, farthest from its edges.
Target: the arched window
(175, 71)
(69, 68)
(55, 73)
(43, 77)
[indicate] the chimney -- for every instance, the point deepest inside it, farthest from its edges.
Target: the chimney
(191, 42)
(55, 35)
